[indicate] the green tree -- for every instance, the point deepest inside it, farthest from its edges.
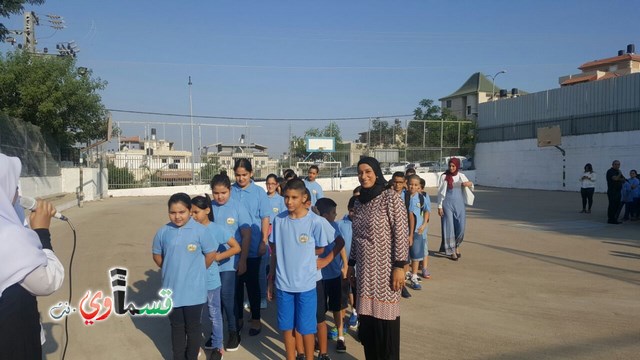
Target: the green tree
(299, 143)
(383, 134)
(50, 92)
(9, 7)
(209, 170)
(436, 134)
(120, 178)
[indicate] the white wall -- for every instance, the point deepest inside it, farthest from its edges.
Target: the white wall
(67, 182)
(336, 184)
(522, 164)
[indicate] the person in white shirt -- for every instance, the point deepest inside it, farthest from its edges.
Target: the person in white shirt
(451, 208)
(587, 188)
(28, 267)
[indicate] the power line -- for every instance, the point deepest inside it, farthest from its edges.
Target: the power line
(258, 118)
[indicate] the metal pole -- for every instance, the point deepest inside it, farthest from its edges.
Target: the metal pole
(406, 138)
(193, 171)
(369, 137)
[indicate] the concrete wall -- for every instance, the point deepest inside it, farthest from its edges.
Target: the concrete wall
(522, 164)
(328, 184)
(67, 182)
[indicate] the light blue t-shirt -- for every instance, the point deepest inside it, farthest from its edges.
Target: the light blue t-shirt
(183, 264)
(296, 241)
(346, 230)
(234, 217)
(221, 236)
(277, 205)
(334, 269)
(414, 206)
(315, 189)
(255, 199)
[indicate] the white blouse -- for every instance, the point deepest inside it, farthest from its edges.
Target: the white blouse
(442, 186)
(590, 182)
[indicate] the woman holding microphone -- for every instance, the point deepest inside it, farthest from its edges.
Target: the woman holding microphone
(28, 267)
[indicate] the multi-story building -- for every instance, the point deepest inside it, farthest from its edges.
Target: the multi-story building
(225, 155)
(620, 65)
(463, 103)
(145, 158)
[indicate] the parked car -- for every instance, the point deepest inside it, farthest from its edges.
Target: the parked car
(426, 166)
(398, 166)
(348, 171)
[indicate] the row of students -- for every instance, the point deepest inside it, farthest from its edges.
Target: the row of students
(225, 220)
(410, 187)
(302, 241)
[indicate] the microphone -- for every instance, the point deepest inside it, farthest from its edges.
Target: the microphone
(31, 204)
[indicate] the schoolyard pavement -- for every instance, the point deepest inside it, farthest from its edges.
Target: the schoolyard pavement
(537, 280)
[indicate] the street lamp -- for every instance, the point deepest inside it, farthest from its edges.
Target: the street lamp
(193, 155)
(493, 80)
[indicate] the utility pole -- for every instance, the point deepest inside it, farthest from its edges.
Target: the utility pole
(30, 22)
(193, 171)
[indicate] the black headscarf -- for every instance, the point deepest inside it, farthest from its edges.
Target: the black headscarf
(369, 194)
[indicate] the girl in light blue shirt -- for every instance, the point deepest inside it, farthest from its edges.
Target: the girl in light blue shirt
(183, 249)
(202, 213)
(235, 218)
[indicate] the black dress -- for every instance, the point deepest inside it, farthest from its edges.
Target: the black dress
(19, 325)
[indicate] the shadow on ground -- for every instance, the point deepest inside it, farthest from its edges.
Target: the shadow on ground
(155, 328)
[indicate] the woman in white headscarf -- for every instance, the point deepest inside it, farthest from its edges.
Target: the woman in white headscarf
(28, 267)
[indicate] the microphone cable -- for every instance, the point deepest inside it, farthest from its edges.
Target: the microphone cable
(66, 319)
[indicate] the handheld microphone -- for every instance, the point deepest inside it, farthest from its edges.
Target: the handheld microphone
(31, 204)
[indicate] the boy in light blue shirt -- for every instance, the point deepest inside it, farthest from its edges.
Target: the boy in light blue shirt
(334, 275)
(314, 188)
(345, 226)
(297, 236)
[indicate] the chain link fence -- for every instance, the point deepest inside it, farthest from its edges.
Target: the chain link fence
(39, 153)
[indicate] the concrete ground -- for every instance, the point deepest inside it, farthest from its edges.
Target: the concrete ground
(537, 280)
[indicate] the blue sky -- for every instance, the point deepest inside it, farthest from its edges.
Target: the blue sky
(322, 59)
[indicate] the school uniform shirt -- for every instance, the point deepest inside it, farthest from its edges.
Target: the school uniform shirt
(255, 199)
(414, 206)
(626, 196)
(334, 269)
(234, 217)
(221, 236)
(346, 230)
(183, 266)
(635, 187)
(315, 189)
(296, 241)
(589, 182)
(277, 206)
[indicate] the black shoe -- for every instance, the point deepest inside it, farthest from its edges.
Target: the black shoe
(324, 357)
(216, 354)
(405, 293)
(341, 347)
(254, 332)
(301, 357)
(614, 222)
(208, 345)
(233, 343)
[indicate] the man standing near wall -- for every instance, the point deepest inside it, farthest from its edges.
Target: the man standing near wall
(615, 179)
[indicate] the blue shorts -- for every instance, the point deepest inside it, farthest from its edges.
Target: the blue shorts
(297, 311)
(418, 250)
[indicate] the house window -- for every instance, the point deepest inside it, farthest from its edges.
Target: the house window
(449, 104)
(468, 110)
(176, 161)
(164, 161)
